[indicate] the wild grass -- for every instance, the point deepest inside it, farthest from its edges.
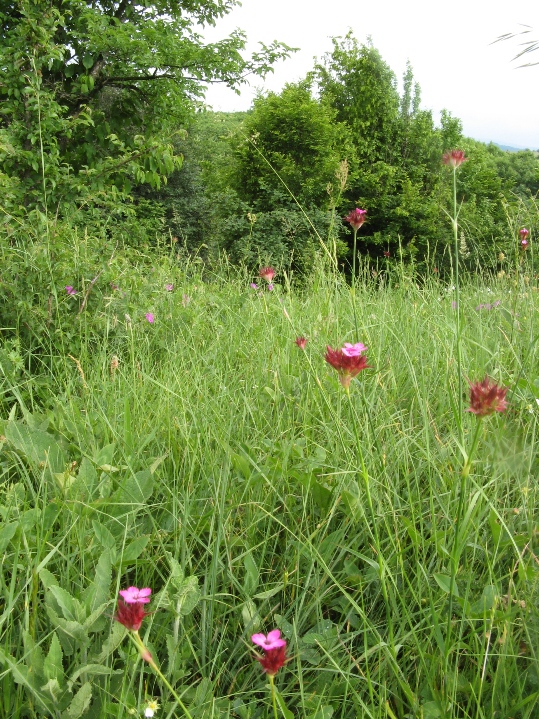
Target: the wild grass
(218, 449)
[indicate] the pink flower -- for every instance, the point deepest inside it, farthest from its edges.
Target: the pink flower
(301, 342)
(71, 290)
(130, 610)
(132, 595)
(524, 244)
(347, 366)
(253, 286)
(356, 218)
(272, 641)
(524, 233)
(169, 287)
(454, 158)
(353, 350)
(274, 651)
(149, 316)
(267, 273)
(486, 397)
(270, 287)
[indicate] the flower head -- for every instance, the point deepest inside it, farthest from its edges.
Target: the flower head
(524, 233)
(151, 707)
(354, 350)
(387, 253)
(149, 316)
(71, 290)
(274, 651)
(267, 273)
(132, 595)
(454, 158)
(524, 244)
(348, 366)
(356, 218)
(486, 397)
(301, 342)
(253, 286)
(270, 287)
(169, 287)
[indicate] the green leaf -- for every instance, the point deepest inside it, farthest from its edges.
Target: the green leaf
(40, 448)
(287, 714)
(251, 574)
(103, 535)
(71, 608)
(7, 532)
(133, 550)
(322, 713)
(52, 665)
(444, 582)
(80, 702)
(87, 61)
(98, 592)
(136, 489)
(112, 642)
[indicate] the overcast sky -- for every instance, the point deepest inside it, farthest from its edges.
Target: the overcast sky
(449, 47)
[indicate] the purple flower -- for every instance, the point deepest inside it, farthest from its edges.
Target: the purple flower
(71, 290)
(253, 286)
(149, 316)
(169, 287)
(270, 287)
(272, 641)
(354, 350)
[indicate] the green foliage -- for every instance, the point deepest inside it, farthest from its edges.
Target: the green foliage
(92, 92)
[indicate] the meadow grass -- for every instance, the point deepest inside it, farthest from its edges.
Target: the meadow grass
(226, 468)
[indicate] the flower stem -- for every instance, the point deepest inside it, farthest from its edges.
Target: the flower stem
(135, 638)
(273, 697)
(457, 300)
(354, 283)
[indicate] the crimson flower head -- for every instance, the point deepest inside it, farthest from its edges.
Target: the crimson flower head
(267, 273)
(454, 158)
(487, 397)
(524, 233)
(274, 651)
(348, 361)
(387, 253)
(356, 218)
(301, 342)
(130, 611)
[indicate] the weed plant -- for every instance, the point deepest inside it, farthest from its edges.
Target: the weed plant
(206, 455)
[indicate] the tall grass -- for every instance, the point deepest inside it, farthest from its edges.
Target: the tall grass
(241, 455)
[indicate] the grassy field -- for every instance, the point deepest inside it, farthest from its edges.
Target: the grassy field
(208, 457)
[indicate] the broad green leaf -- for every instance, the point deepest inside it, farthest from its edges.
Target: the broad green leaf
(251, 574)
(104, 456)
(444, 582)
(52, 665)
(112, 642)
(71, 608)
(103, 535)
(269, 592)
(92, 669)
(136, 489)
(98, 593)
(80, 702)
(40, 448)
(287, 714)
(7, 532)
(133, 550)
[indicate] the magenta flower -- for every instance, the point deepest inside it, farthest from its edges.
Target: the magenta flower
(274, 651)
(270, 287)
(454, 158)
(253, 286)
(356, 218)
(132, 595)
(486, 397)
(267, 273)
(353, 350)
(524, 244)
(169, 287)
(71, 290)
(524, 233)
(301, 342)
(347, 366)
(149, 316)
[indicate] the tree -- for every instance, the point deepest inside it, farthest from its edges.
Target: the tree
(91, 92)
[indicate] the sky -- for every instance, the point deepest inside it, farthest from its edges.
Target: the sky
(449, 46)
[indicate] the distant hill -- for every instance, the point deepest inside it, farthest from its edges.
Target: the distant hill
(508, 148)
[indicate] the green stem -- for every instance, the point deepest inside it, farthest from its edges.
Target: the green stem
(273, 698)
(135, 638)
(457, 301)
(354, 283)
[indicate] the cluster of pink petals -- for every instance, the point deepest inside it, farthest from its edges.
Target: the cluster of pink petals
(524, 233)
(130, 610)
(347, 365)
(524, 244)
(489, 306)
(356, 218)
(149, 316)
(267, 273)
(71, 290)
(169, 287)
(274, 651)
(487, 397)
(454, 158)
(301, 342)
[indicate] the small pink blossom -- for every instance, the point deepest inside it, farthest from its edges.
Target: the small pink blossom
(71, 290)
(524, 244)
(149, 316)
(270, 287)
(132, 595)
(454, 158)
(353, 350)
(253, 286)
(356, 218)
(524, 233)
(272, 641)
(301, 342)
(169, 287)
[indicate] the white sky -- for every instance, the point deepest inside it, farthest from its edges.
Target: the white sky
(448, 46)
